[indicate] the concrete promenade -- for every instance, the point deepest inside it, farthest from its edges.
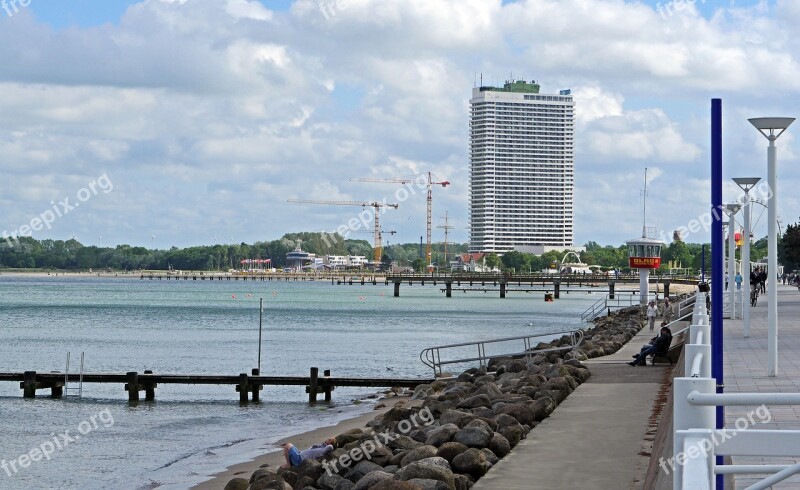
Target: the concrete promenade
(598, 438)
(745, 368)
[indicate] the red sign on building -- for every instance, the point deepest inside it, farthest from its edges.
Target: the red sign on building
(644, 262)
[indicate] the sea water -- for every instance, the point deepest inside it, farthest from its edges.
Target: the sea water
(212, 327)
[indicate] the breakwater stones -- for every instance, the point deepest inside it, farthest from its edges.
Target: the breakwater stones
(462, 427)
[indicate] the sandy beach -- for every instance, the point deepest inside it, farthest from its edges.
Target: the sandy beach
(303, 440)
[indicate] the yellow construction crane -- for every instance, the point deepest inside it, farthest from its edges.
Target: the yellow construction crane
(430, 183)
(374, 204)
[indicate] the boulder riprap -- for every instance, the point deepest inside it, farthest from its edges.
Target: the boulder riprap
(461, 426)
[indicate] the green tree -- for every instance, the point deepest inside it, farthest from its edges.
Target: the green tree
(518, 261)
(789, 248)
(492, 261)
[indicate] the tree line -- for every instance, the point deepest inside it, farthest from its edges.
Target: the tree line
(29, 253)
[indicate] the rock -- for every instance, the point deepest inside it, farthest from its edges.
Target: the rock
(483, 412)
(372, 478)
(343, 439)
(428, 484)
(397, 458)
(395, 485)
(422, 470)
(345, 484)
(463, 482)
(289, 475)
(491, 457)
(403, 442)
(499, 445)
(304, 482)
(475, 402)
(465, 378)
(450, 450)
(329, 482)
(422, 391)
(269, 472)
(488, 424)
(381, 456)
(442, 434)
(477, 437)
(391, 469)
(456, 417)
(472, 462)
(358, 471)
(513, 434)
(490, 390)
(278, 484)
(396, 414)
(518, 411)
(310, 468)
(237, 484)
(417, 454)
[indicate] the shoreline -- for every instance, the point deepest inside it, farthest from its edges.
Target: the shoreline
(303, 439)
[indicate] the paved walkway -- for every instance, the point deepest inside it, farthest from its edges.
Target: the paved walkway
(745, 366)
(595, 439)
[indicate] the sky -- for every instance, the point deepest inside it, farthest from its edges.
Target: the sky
(191, 122)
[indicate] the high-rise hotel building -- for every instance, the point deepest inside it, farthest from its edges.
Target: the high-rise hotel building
(521, 168)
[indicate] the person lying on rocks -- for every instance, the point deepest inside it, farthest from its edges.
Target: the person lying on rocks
(294, 457)
(657, 344)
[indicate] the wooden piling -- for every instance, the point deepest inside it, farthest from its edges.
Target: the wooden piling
(449, 289)
(397, 289)
(502, 290)
(256, 388)
(328, 387)
(556, 289)
(149, 388)
(312, 387)
(132, 385)
(243, 387)
(29, 384)
(611, 289)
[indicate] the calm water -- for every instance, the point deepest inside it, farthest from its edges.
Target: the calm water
(212, 328)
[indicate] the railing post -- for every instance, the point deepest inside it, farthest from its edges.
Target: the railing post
(687, 416)
(693, 460)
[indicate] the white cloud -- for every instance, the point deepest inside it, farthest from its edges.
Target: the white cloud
(217, 111)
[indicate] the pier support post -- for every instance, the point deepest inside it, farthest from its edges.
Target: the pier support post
(502, 290)
(244, 385)
(132, 385)
(610, 289)
(149, 388)
(556, 289)
(328, 387)
(449, 289)
(666, 289)
(29, 384)
(56, 391)
(312, 386)
(396, 289)
(256, 388)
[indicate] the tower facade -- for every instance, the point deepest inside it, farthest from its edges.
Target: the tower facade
(521, 168)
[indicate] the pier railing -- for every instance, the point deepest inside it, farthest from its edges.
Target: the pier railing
(697, 442)
(522, 347)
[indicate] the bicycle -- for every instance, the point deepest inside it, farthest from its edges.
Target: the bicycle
(753, 297)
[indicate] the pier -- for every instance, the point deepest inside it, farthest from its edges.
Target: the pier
(247, 385)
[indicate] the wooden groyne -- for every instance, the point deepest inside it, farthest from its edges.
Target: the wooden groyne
(247, 385)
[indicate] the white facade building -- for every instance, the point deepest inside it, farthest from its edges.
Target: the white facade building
(521, 168)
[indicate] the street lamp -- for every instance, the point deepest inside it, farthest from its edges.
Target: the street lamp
(746, 183)
(731, 210)
(772, 128)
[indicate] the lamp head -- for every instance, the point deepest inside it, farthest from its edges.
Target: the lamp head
(769, 125)
(746, 183)
(733, 208)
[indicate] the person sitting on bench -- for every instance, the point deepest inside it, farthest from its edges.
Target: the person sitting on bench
(657, 345)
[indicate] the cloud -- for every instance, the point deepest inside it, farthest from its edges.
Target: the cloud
(218, 111)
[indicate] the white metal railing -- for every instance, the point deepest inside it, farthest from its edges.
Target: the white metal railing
(621, 299)
(697, 442)
(464, 352)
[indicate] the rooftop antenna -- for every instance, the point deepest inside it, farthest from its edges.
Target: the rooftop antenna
(644, 206)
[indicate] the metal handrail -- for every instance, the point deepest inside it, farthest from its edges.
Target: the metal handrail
(776, 478)
(432, 356)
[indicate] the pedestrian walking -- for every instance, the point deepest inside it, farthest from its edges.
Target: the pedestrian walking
(738, 280)
(652, 312)
(667, 311)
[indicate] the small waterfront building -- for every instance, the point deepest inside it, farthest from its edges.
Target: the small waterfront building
(298, 259)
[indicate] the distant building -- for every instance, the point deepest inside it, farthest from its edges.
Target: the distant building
(521, 168)
(471, 262)
(345, 262)
(298, 259)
